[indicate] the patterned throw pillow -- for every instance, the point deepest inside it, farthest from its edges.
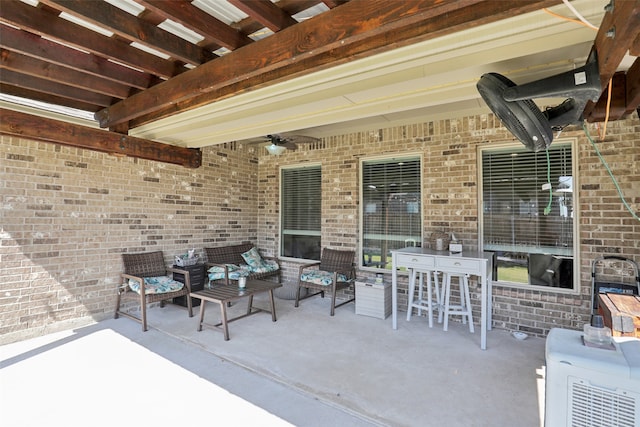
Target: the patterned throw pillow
(235, 272)
(253, 258)
(156, 285)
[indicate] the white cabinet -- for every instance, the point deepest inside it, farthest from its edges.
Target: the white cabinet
(373, 299)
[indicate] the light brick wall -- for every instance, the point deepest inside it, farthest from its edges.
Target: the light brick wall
(450, 202)
(68, 214)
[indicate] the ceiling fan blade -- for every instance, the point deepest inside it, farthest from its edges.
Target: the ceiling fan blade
(301, 139)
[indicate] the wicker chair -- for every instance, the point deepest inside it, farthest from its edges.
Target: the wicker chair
(333, 272)
(232, 254)
(137, 267)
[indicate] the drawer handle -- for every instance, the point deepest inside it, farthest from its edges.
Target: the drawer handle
(414, 260)
(457, 264)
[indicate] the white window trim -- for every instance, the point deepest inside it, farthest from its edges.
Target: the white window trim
(280, 209)
(387, 157)
(576, 217)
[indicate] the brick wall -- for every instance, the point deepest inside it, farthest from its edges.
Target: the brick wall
(450, 173)
(67, 214)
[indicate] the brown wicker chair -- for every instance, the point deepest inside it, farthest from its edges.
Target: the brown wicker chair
(232, 254)
(333, 272)
(150, 264)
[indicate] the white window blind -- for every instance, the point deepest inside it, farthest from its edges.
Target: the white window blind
(391, 208)
(301, 202)
(528, 206)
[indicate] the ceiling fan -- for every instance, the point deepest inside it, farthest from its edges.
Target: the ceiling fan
(279, 144)
(521, 116)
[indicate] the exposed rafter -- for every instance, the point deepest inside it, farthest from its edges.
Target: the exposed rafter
(342, 34)
(134, 66)
(29, 126)
(215, 32)
(133, 29)
(618, 35)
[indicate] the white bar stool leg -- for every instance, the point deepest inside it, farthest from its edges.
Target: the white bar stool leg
(429, 297)
(461, 283)
(439, 289)
(446, 279)
(464, 308)
(467, 296)
(412, 289)
(420, 292)
(419, 302)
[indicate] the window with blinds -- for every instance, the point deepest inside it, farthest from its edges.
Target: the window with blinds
(301, 202)
(390, 208)
(527, 213)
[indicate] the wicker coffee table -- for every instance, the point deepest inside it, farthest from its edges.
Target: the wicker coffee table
(223, 295)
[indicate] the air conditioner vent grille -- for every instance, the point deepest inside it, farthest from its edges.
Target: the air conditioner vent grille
(592, 406)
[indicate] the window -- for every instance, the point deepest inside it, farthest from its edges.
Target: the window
(300, 201)
(527, 214)
(391, 213)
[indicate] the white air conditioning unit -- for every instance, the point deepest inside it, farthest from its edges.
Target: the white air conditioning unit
(591, 387)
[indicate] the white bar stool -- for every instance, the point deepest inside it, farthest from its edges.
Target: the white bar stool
(464, 308)
(419, 302)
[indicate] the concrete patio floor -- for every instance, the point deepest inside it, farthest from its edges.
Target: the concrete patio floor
(306, 369)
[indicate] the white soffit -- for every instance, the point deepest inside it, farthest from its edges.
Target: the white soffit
(437, 75)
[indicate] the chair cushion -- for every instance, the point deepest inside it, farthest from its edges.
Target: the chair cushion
(156, 285)
(268, 265)
(235, 272)
(319, 277)
(252, 258)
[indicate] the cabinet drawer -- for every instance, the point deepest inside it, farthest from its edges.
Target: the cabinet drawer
(462, 265)
(196, 275)
(415, 261)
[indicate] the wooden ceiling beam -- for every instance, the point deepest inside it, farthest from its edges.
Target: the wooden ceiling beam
(619, 29)
(320, 42)
(266, 13)
(45, 97)
(617, 104)
(427, 25)
(35, 67)
(617, 35)
(134, 29)
(24, 125)
(46, 50)
(333, 3)
(44, 23)
(213, 30)
(632, 82)
(250, 25)
(52, 88)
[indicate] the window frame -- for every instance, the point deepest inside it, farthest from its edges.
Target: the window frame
(573, 143)
(281, 232)
(361, 209)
